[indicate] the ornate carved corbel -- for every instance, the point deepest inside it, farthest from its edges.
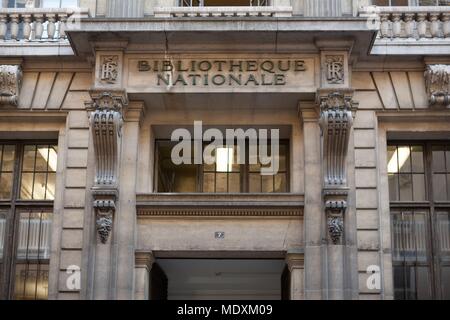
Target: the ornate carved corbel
(336, 121)
(437, 79)
(10, 84)
(106, 119)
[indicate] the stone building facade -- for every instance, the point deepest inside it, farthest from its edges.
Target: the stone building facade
(92, 207)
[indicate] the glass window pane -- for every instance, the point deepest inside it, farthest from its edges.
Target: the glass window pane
(445, 282)
(392, 159)
(39, 186)
(2, 234)
(29, 158)
(31, 281)
(51, 182)
(447, 156)
(419, 187)
(6, 182)
(421, 236)
(438, 159)
(254, 183)
(42, 157)
(221, 182)
(397, 236)
(283, 158)
(280, 183)
(208, 183)
(8, 158)
(405, 182)
(439, 187)
(393, 187)
(26, 186)
(399, 283)
(235, 183)
(267, 184)
(443, 235)
(423, 283)
(404, 158)
(417, 159)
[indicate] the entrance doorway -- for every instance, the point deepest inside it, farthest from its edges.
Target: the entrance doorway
(221, 279)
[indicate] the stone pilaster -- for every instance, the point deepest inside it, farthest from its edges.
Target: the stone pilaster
(143, 265)
(106, 121)
(313, 222)
(296, 264)
(336, 121)
(124, 236)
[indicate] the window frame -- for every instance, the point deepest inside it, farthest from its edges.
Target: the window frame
(13, 207)
(430, 206)
(244, 173)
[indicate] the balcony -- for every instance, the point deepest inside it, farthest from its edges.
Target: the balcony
(410, 30)
(218, 8)
(44, 29)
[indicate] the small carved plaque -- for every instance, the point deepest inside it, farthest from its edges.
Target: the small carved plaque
(335, 69)
(109, 69)
(220, 235)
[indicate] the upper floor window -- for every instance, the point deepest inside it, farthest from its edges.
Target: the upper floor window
(223, 3)
(42, 3)
(386, 3)
(27, 191)
(224, 174)
(419, 186)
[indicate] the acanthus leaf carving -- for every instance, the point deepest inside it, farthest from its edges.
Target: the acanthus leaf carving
(437, 79)
(10, 84)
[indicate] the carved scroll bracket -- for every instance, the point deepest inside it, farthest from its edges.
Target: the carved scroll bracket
(10, 84)
(106, 119)
(437, 79)
(336, 121)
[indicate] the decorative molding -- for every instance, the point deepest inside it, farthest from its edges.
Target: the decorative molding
(106, 119)
(336, 121)
(104, 215)
(10, 84)
(437, 79)
(335, 210)
(219, 212)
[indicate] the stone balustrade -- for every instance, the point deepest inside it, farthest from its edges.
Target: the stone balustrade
(425, 22)
(38, 24)
(250, 11)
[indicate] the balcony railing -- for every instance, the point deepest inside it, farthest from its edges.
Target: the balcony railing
(239, 11)
(38, 24)
(410, 22)
(201, 3)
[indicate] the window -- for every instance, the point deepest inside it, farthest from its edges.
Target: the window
(222, 3)
(223, 175)
(27, 174)
(411, 2)
(419, 179)
(42, 3)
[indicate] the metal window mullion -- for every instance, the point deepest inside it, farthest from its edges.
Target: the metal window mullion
(47, 173)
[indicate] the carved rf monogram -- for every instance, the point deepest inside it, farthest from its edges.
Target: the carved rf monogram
(335, 69)
(109, 69)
